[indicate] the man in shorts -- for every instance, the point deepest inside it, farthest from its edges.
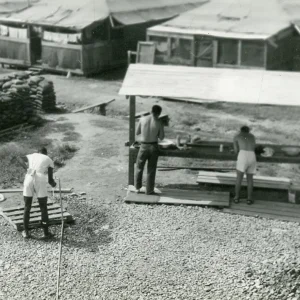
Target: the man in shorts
(39, 172)
(244, 147)
(150, 129)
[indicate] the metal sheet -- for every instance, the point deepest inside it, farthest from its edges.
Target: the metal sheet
(233, 19)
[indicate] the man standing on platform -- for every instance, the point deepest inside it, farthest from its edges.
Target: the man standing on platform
(151, 129)
(244, 147)
(39, 172)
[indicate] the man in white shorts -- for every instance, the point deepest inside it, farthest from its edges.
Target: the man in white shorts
(39, 173)
(244, 147)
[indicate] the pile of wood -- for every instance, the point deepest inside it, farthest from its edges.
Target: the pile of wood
(230, 179)
(23, 96)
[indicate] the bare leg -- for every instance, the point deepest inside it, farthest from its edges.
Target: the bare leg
(26, 216)
(44, 215)
(239, 179)
(250, 186)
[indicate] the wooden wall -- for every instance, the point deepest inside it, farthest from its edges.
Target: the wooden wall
(61, 57)
(15, 51)
(280, 52)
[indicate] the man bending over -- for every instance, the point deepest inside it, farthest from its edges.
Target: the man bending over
(39, 172)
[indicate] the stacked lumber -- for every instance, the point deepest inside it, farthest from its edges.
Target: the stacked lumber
(230, 179)
(23, 97)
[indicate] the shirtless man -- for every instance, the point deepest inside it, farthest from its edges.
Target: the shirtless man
(244, 147)
(151, 129)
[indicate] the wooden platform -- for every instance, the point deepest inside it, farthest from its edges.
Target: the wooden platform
(267, 209)
(182, 197)
(230, 179)
(14, 215)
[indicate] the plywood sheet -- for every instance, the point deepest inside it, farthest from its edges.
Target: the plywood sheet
(218, 84)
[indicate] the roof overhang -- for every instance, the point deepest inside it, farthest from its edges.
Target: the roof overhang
(213, 33)
(217, 84)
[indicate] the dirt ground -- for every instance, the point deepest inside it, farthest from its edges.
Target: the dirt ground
(114, 248)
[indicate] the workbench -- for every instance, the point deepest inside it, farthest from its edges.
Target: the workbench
(210, 150)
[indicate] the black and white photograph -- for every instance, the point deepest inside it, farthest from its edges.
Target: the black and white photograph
(149, 150)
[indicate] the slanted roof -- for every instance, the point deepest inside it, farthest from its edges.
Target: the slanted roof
(217, 84)
(78, 14)
(139, 11)
(233, 19)
(12, 6)
(74, 14)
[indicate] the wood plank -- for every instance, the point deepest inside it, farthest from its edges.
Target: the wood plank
(244, 183)
(262, 215)
(8, 219)
(267, 210)
(20, 227)
(169, 200)
(21, 207)
(141, 198)
(33, 209)
(92, 106)
(37, 214)
(51, 217)
(232, 180)
(6, 191)
(196, 194)
(256, 177)
(228, 85)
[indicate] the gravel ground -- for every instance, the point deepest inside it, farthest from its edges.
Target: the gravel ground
(121, 251)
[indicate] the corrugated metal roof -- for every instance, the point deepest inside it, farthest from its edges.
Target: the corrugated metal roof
(75, 14)
(136, 11)
(157, 13)
(78, 14)
(246, 17)
(217, 84)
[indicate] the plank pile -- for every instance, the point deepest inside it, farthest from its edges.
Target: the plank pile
(23, 97)
(14, 215)
(181, 197)
(230, 179)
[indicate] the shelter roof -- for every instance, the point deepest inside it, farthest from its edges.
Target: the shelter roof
(216, 84)
(236, 19)
(78, 14)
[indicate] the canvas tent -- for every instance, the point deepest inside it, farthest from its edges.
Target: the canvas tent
(223, 33)
(84, 36)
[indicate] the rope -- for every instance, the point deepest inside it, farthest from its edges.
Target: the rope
(60, 244)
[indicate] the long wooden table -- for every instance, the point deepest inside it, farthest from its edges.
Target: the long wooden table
(211, 150)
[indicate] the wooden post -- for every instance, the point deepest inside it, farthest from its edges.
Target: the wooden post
(239, 54)
(266, 56)
(131, 139)
(193, 54)
(215, 52)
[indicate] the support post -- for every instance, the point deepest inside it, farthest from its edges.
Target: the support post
(131, 139)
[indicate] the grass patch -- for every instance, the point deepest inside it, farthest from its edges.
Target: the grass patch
(19, 145)
(61, 153)
(71, 136)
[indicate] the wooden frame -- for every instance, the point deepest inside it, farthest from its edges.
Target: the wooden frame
(201, 151)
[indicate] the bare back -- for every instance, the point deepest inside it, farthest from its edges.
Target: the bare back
(244, 141)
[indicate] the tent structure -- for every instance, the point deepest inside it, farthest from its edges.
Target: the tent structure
(235, 33)
(82, 36)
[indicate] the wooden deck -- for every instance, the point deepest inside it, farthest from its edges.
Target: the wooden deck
(14, 215)
(266, 209)
(182, 197)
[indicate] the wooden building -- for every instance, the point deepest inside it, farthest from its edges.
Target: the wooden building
(81, 36)
(235, 34)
